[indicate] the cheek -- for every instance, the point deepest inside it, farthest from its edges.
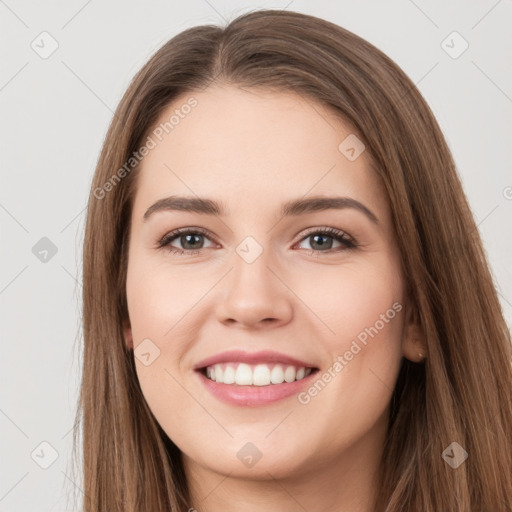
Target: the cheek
(350, 299)
(360, 306)
(160, 297)
(363, 307)
(368, 308)
(158, 306)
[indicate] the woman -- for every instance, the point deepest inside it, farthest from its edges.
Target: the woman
(286, 301)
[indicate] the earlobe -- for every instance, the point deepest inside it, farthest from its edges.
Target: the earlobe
(413, 345)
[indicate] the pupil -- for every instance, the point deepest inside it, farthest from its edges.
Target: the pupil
(187, 237)
(321, 244)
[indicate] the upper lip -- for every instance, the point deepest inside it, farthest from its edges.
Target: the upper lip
(266, 356)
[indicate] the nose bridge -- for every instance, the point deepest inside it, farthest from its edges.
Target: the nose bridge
(251, 263)
(253, 292)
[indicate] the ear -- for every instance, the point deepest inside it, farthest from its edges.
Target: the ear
(128, 337)
(414, 346)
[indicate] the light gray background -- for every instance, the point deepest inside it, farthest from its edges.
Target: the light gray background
(55, 113)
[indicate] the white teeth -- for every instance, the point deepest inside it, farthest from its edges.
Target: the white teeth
(229, 375)
(277, 375)
(289, 374)
(243, 374)
(261, 375)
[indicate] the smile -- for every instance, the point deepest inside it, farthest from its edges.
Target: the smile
(242, 374)
(257, 388)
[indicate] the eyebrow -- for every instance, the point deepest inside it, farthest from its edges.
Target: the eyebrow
(295, 207)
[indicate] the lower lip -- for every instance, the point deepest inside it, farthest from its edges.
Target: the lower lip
(248, 396)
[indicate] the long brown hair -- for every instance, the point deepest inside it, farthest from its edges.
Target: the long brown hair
(463, 391)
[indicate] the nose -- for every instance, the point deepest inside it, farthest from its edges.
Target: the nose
(254, 295)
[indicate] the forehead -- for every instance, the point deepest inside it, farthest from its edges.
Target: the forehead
(251, 148)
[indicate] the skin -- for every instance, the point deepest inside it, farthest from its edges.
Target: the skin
(254, 150)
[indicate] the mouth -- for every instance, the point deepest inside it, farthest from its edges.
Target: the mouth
(242, 378)
(256, 375)
(247, 385)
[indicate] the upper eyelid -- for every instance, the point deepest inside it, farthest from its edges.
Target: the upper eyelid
(175, 233)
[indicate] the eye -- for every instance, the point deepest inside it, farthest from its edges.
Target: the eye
(188, 237)
(320, 243)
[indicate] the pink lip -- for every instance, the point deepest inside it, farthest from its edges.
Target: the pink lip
(266, 356)
(248, 396)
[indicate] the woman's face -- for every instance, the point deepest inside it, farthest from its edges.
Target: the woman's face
(257, 279)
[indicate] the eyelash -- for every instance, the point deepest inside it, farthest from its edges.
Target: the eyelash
(336, 234)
